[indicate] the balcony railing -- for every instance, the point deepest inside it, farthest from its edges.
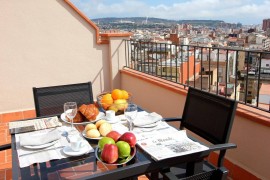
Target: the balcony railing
(234, 73)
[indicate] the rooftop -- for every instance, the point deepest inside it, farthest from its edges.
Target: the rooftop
(64, 47)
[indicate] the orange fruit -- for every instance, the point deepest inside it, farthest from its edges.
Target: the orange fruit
(106, 101)
(125, 94)
(117, 94)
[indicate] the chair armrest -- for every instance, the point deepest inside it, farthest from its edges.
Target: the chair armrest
(5, 147)
(171, 119)
(224, 146)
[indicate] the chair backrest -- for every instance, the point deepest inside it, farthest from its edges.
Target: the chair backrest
(50, 100)
(208, 115)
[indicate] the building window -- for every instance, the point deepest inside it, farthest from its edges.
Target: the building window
(152, 69)
(174, 70)
(164, 69)
(220, 70)
(220, 79)
(146, 68)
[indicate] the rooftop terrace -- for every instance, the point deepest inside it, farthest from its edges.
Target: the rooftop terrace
(64, 47)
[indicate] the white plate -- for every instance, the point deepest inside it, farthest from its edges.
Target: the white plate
(41, 146)
(100, 115)
(149, 125)
(84, 135)
(68, 151)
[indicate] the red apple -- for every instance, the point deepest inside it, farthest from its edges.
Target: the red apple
(109, 153)
(130, 138)
(114, 135)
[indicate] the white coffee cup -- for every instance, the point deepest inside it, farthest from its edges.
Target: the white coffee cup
(110, 115)
(76, 143)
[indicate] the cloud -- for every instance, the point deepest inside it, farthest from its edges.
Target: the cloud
(244, 11)
(124, 8)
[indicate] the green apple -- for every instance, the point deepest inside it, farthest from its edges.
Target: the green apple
(123, 149)
(103, 141)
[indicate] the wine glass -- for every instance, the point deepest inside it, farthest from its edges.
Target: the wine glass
(70, 109)
(131, 113)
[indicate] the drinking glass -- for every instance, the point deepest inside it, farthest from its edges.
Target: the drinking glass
(70, 109)
(130, 114)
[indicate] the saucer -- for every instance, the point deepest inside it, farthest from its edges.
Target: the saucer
(68, 151)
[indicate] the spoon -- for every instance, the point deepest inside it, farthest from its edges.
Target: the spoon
(65, 134)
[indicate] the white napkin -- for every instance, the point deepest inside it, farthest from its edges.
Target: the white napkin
(39, 139)
(30, 156)
(143, 118)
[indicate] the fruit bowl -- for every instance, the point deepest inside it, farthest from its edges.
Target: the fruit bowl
(114, 101)
(119, 161)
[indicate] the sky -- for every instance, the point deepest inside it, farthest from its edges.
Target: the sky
(247, 12)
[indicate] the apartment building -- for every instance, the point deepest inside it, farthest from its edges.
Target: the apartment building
(266, 24)
(266, 44)
(250, 95)
(265, 66)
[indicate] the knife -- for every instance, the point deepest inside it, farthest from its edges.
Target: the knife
(43, 150)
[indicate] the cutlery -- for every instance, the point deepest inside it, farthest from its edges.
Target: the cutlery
(65, 134)
(153, 129)
(43, 150)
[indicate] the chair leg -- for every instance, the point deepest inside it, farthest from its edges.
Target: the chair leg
(164, 173)
(221, 173)
(153, 175)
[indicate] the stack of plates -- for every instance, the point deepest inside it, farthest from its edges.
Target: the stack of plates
(146, 120)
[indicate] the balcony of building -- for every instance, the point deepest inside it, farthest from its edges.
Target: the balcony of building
(52, 43)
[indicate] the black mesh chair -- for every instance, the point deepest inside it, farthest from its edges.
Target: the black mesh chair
(50, 100)
(211, 117)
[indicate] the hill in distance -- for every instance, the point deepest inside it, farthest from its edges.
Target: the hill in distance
(151, 20)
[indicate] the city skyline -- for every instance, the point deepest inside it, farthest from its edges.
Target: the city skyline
(247, 12)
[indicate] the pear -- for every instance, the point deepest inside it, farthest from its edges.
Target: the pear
(113, 107)
(121, 104)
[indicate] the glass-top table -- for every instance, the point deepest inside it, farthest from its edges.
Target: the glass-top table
(88, 167)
